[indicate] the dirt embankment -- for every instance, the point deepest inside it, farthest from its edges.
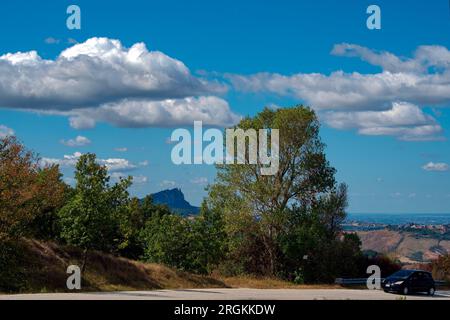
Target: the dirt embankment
(405, 246)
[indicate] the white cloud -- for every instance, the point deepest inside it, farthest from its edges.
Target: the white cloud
(351, 91)
(121, 149)
(144, 163)
(404, 120)
(117, 164)
(79, 141)
(167, 184)
(92, 73)
(422, 80)
(5, 131)
(386, 60)
(438, 166)
(112, 164)
(143, 113)
(199, 180)
(101, 80)
(51, 40)
(369, 102)
(66, 161)
(82, 122)
(70, 181)
(424, 57)
(140, 179)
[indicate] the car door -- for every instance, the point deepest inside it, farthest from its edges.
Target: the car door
(428, 281)
(421, 282)
(414, 284)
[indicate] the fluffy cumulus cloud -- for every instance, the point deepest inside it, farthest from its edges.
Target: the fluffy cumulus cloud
(170, 112)
(5, 131)
(101, 80)
(79, 141)
(139, 179)
(404, 120)
(435, 166)
(423, 80)
(112, 164)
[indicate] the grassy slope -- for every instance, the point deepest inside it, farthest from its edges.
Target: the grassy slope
(45, 264)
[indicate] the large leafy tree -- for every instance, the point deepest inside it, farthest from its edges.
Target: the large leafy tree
(27, 191)
(255, 205)
(92, 218)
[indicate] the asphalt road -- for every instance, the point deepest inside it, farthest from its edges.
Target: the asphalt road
(231, 294)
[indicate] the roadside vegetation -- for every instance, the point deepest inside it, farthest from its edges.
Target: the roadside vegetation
(285, 227)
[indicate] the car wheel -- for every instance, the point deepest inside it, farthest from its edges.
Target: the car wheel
(405, 291)
(431, 291)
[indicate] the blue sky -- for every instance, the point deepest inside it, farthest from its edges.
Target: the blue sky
(241, 56)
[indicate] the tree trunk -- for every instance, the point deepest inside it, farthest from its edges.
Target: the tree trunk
(85, 257)
(271, 251)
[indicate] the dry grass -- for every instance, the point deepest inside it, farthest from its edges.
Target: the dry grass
(46, 264)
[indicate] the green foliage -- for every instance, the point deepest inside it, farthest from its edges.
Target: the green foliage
(211, 239)
(286, 225)
(386, 264)
(11, 270)
(169, 240)
(93, 217)
(299, 277)
(272, 222)
(194, 245)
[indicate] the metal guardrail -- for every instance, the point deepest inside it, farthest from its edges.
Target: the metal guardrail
(352, 281)
(363, 281)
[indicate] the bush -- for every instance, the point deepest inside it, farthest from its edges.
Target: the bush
(192, 245)
(12, 278)
(441, 268)
(386, 264)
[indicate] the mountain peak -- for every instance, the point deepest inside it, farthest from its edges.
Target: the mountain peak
(174, 199)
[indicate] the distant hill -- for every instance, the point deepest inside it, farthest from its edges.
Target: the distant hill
(406, 246)
(174, 199)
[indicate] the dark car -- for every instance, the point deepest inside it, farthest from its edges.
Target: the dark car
(409, 281)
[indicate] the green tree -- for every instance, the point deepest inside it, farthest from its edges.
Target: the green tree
(169, 240)
(193, 244)
(210, 239)
(92, 217)
(313, 248)
(133, 221)
(256, 206)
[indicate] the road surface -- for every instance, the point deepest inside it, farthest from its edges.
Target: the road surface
(231, 294)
